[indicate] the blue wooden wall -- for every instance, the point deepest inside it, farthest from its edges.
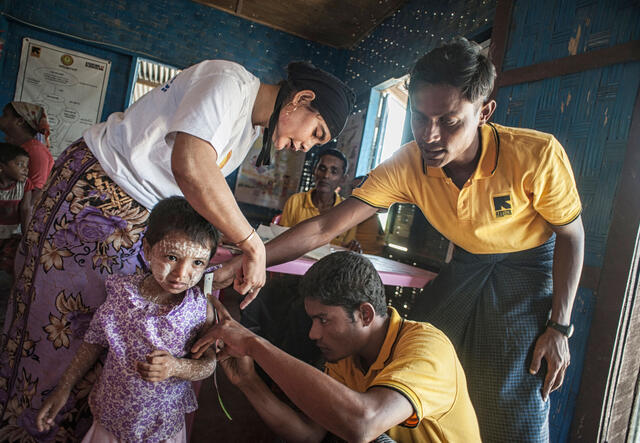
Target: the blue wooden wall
(590, 114)
(175, 32)
(400, 40)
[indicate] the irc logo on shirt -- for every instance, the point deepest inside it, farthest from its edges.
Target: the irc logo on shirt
(502, 205)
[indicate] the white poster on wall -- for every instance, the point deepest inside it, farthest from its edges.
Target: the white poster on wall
(69, 85)
(269, 186)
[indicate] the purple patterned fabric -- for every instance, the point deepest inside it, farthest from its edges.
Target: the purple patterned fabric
(84, 228)
(132, 327)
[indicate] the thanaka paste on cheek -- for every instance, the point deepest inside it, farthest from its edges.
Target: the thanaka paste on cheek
(176, 260)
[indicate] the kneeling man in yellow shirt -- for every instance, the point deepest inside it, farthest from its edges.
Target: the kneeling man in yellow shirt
(385, 374)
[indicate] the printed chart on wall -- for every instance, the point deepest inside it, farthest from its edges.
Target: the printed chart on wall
(69, 85)
(269, 186)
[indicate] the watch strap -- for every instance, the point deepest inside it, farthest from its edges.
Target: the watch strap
(566, 330)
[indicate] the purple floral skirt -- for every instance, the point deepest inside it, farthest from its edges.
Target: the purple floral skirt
(84, 228)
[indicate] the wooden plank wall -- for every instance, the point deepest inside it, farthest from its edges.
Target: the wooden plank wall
(570, 68)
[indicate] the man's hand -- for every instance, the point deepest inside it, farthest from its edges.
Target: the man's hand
(236, 338)
(159, 366)
(239, 370)
(554, 348)
(50, 409)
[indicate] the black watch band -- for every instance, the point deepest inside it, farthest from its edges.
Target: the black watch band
(566, 330)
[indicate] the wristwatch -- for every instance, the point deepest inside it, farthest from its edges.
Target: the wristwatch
(566, 330)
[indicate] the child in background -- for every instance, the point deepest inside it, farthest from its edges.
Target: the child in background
(148, 323)
(14, 167)
(25, 124)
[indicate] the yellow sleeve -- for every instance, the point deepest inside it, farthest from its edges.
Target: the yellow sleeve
(424, 370)
(288, 212)
(330, 370)
(388, 183)
(555, 195)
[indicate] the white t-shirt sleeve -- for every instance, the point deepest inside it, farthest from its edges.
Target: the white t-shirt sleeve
(208, 110)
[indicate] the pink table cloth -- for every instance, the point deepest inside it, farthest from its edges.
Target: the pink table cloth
(391, 272)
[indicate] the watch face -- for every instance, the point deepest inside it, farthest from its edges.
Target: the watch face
(570, 331)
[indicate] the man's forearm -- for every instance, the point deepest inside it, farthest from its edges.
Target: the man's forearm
(280, 417)
(297, 241)
(317, 231)
(567, 266)
(332, 405)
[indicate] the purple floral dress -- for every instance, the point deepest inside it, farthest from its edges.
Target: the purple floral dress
(132, 327)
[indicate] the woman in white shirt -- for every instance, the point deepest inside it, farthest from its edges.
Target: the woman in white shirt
(182, 138)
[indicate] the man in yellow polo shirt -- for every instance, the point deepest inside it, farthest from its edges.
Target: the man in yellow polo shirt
(329, 172)
(499, 194)
(386, 374)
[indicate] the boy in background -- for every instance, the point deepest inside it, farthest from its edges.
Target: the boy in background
(14, 168)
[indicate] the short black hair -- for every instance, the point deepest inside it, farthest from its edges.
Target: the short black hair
(335, 153)
(10, 151)
(458, 63)
(346, 279)
(175, 214)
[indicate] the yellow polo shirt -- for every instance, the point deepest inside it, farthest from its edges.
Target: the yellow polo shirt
(370, 235)
(299, 207)
(523, 183)
(418, 361)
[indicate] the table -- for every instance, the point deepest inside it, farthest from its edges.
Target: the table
(391, 272)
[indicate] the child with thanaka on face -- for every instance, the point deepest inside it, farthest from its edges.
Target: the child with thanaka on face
(148, 323)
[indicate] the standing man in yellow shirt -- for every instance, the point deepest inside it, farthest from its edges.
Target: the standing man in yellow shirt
(329, 172)
(499, 194)
(385, 374)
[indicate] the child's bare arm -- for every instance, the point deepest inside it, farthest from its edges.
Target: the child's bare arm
(84, 359)
(161, 365)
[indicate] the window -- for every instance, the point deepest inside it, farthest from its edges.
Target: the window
(385, 127)
(146, 76)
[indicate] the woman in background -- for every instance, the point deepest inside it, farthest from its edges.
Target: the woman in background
(26, 125)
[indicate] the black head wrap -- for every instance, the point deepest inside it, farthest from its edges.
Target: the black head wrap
(334, 101)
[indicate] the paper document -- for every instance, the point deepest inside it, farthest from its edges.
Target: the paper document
(268, 233)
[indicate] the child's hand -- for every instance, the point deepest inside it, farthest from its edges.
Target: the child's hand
(50, 409)
(159, 366)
